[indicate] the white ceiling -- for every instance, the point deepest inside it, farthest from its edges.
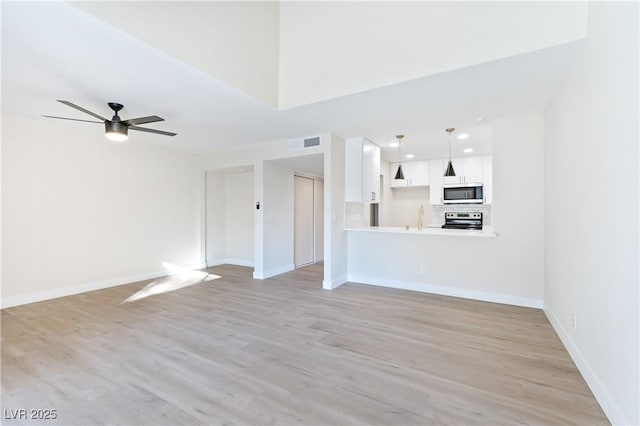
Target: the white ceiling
(313, 163)
(54, 51)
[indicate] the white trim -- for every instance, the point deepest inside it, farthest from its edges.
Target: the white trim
(506, 299)
(239, 262)
(215, 262)
(273, 272)
(604, 398)
(333, 284)
(83, 288)
(194, 266)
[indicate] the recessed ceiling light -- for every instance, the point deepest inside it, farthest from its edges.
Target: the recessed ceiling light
(463, 136)
(480, 120)
(410, 155)
(393, 145)
(468, 151)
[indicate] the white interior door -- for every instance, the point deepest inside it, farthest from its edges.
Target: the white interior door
(303, 221)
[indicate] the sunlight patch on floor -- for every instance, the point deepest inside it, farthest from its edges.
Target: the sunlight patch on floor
(179, 277)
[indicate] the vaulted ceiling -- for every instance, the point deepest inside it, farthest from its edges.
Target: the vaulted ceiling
(227, 74)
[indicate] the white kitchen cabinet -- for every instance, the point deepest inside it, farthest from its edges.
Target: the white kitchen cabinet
(472, 169)
(419, 173)
(436, 180)
(362, 170)
(416, 173)
(468, 170)
(487, 179)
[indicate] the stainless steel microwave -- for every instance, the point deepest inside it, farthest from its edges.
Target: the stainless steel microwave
(462, 193)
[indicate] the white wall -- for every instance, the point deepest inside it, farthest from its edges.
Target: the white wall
(81, 212)
(508, 268)
(331, 49)
(277, 219)
(230, 218)
(239, 227)
(318, 219)
(230, 40)
(216, 218)
(335, 253)
(386, 197)
(591, 210)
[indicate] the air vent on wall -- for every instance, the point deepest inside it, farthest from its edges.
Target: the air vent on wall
(312, 142)
(297, 144)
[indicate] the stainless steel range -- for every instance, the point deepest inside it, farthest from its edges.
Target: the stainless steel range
(463, 220)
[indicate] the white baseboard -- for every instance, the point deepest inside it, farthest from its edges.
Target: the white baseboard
(237, 262)
(505, 299)
(201, 265)
(83, 288)
(608, 404)
(333, 284)
(262, 275)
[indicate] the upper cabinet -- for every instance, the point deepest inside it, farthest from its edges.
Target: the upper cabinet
(468, 170)
(436, 180)
(416, 173)
(472, 169)
(362, 171)
(487, 179)
(419, 173)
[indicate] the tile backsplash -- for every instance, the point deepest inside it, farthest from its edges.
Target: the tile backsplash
(356, 215)
(440, 210)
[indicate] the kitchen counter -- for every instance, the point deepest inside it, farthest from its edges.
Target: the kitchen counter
(487, 232)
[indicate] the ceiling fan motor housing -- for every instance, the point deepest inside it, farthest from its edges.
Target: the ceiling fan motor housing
(115, 106)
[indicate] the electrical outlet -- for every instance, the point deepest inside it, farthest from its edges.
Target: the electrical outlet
(423, 270)
(573, 320)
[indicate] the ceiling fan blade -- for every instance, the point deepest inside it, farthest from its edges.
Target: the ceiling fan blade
(160, 132)
(142, 120)
(73, 119)
(79, 108)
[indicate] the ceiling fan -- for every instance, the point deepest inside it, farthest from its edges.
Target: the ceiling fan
(117, 129)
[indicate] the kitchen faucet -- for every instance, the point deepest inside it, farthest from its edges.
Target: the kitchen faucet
(420, 214)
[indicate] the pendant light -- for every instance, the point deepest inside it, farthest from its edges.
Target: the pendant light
(450, 171)
(399, 174)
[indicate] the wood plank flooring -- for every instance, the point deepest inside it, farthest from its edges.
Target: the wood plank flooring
(284, 351)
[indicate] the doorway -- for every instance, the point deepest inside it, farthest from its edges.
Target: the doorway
(308, 218)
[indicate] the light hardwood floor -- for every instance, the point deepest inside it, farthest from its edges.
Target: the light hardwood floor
(284, 351)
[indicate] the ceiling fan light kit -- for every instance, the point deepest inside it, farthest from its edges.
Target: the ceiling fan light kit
(116, 129)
